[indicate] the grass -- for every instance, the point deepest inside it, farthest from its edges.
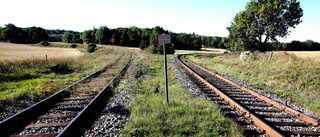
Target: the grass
(286, 75)
(32, 78)
(185, 115)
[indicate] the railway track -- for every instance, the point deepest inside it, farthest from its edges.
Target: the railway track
(255, 113)
(70, 111)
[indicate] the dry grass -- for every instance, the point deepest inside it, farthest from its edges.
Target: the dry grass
(11, 52)
(307, 54)
(203, 50)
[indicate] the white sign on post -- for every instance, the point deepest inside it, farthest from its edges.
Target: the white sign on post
(164, 39)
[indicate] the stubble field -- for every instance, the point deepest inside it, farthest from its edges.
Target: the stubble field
(12, 52)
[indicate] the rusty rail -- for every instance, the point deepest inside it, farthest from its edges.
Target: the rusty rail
(257, 121)
(295, 113)
(18, 121)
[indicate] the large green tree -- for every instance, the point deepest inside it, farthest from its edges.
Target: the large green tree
(88, 36)
(37, 34)
(67, 37)
(13, 34)
(263, 21)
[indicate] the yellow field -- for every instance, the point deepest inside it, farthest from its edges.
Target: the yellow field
(313, 55)
(203, 50)
(9, 51)
(306, 54)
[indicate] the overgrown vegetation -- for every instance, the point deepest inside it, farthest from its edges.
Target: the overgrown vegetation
(44, 43)
(158, 49)
(91, 47)
(63, 45)
(286, 75)
(185, 115)
(35, 78)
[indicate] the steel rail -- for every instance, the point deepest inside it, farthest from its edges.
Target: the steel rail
(257, 121)
(9, 126)
(292, 112)
(75, 127)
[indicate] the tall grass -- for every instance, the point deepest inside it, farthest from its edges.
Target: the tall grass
(185, 115)
(286, 75)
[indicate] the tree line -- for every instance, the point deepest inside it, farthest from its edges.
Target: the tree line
(13, 34)
(136, 37)
(131, 36)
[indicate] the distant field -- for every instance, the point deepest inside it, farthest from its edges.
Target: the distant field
(203, 50)
(307, 54)
(11, 52)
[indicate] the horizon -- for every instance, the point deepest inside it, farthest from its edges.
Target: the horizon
(206, 18)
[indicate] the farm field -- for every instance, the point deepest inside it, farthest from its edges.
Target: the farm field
(9, 51)
(203, 50)
(314, 55)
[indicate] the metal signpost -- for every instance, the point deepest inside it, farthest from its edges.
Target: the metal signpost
(165, 39)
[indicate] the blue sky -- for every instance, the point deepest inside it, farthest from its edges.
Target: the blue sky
(203, 17)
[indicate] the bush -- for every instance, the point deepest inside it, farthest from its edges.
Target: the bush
(73, 45)
(91, 47)
(44, 43)
(169, 49)
(152, 49)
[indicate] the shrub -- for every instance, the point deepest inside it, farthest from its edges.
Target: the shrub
(73, 45)
(152, 49)
(44, 43)
(169, 49)
(91, 47)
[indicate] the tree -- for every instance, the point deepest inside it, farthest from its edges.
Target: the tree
(13, 34)
(154, 34)
(143, 44)
(37, 34)
(262, 21)
(67, 37)
(88, 36)
(99, 34)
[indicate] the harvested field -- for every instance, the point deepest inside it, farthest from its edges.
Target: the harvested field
(9, 51)
(307, 54)
(203, 50)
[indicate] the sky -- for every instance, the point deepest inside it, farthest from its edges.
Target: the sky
(203, 17)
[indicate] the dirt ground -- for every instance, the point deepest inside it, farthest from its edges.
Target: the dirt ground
(9, 51)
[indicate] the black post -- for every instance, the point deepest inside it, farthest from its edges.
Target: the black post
(165, 72)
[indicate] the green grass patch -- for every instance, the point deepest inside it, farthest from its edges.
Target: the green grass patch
(185, 115)
(286, 75)
(35, 78)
